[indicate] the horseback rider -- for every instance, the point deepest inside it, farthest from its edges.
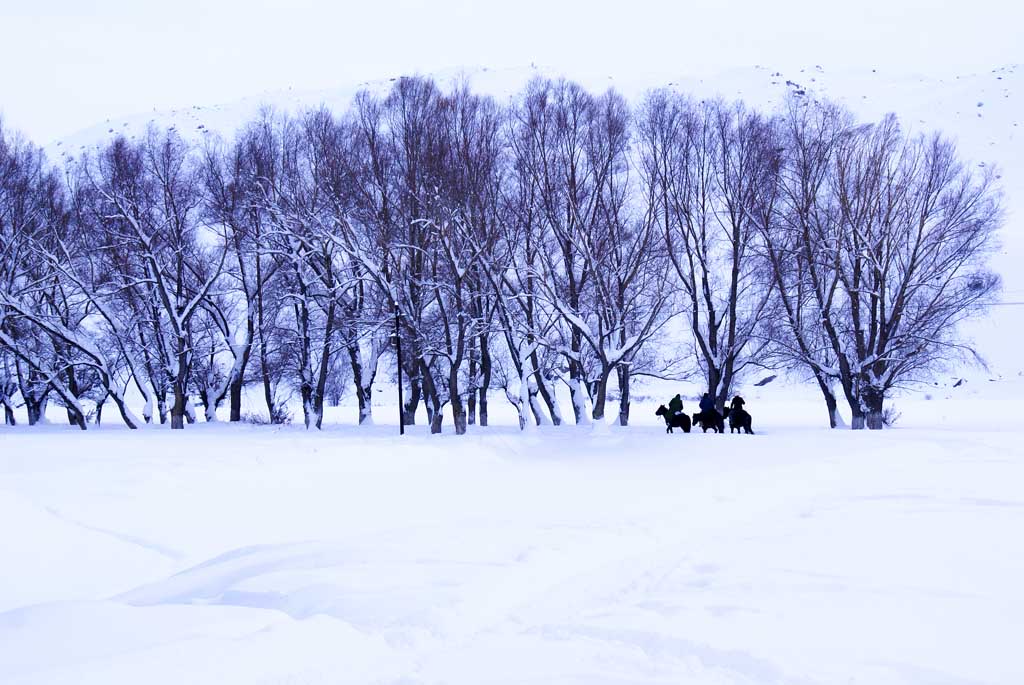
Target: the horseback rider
(707, 403)
(675, 405)
(737, 403)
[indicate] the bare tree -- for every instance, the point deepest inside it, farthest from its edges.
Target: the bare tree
(789, 207)
(236, 182)
(700, 164)
(110, 273)
(560, 143)
(309, 281)
(475, 176)
(152, 192)
(56, 311)
(892, 234)
(398, 168)
(348, 179)
(621, 306)
(33, 218)
(262, 156)
(916, 228)
(90, 357)
(514, 273)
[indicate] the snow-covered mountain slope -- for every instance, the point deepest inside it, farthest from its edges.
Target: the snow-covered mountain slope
(982, 110)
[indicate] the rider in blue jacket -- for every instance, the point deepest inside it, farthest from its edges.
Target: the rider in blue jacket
(707, 403)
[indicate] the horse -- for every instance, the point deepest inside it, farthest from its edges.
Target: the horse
(739, 420)
(709, 419)
(673, 420)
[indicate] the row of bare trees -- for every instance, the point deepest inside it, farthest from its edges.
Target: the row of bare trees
(564, 242)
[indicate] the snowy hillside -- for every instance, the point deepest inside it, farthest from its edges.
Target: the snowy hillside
(982, 110)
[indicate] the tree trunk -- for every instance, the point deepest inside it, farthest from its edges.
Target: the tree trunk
(268, 387)
(857, 418)
(156, 363)
(147, 408)
(306, 393)
(545, 393)
(412, 402)
(577, 379)
(35, 409)
(178, 411)
(517, 402)
(830, 402)
(873, 400)
(161, 406)
(235, 398)
(623, 372)
(724, 388)
(852, 391)
(260, 326)
(526, 401)
(485, 377)
(74, 419)
(126, 414)
(364, 396)
(539, 416)
(325, 366)
(9, 414)
(268, 397)
(471, 390)
(238, 379)
(601, 393)
(578, 393)
(434, 408)
(305, 357)
(312, 404)
(714, 378)
(458, 414)
(459, 417)
(77, 418)
(412, 390)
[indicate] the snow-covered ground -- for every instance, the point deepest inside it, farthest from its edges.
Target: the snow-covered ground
(241, 554)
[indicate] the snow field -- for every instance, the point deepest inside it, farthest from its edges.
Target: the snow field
(237, 554)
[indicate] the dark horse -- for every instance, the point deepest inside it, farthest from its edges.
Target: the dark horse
(709, 419)
(739, 420)
(673, 421)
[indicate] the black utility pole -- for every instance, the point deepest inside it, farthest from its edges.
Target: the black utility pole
(398, 356)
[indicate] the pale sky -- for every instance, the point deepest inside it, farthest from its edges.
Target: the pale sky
(68, 64)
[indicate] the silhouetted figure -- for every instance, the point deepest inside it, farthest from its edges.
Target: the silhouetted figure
(679, 420)
(707, 402)
(739, 418)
